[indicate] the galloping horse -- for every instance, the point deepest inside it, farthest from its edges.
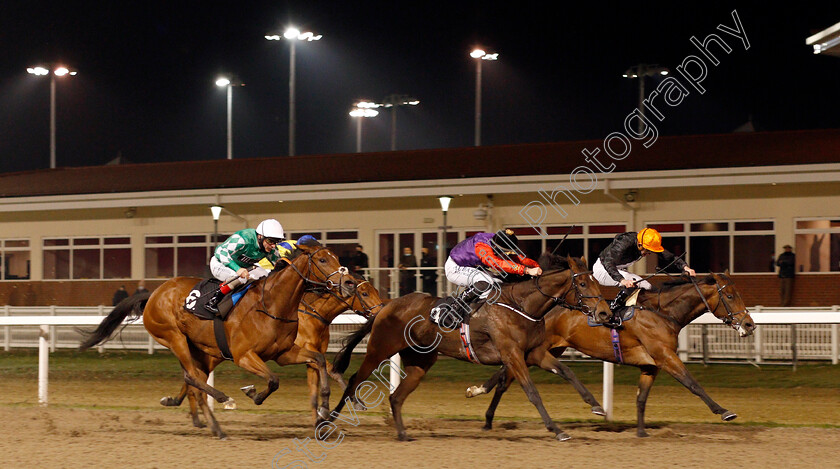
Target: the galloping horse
(648, 341)
(316, 312)
(263, 326)
(503, 331)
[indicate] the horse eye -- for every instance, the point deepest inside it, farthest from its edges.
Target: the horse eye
(729, 296)
(322, 261)
(365, 295)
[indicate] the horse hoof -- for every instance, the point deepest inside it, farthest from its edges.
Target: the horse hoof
(169, 402)
(486, 428)
(230, 404)
(405, 438)
(642, 434)
(562, 437)
(473, 391)
(598, 410)
(323, 414)
(358, 406)
(249, 390)
(728, 415)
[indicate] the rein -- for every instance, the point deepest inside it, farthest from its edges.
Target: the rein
(327, 285)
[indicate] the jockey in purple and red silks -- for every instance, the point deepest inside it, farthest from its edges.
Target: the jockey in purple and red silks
(495, 250)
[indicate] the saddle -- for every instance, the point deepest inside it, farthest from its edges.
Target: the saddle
(451, 314)
(204, 290)
(622, 314)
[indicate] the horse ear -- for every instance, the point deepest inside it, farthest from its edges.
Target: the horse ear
(583, 261)
(726, 272)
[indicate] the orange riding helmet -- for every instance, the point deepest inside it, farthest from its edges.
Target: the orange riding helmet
(650, 239)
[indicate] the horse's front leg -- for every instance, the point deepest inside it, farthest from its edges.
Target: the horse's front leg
(672, 364)
(505, 379)
(553, 364)
(649, 373)
(252, 362)
(515, 363)
(297, 355)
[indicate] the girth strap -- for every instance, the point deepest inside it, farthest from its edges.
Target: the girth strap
(616, 345)
(221, 339)
(465, 341)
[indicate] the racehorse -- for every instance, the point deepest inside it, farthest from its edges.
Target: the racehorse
(648, 341)
(317, 310)
(263, 326)
(503, 331)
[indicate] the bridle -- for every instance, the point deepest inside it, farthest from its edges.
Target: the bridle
(357, 296)
(328, 285)
(579, 296)
(733, 319)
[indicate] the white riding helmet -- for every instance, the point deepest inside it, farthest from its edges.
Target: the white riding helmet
(271, 228)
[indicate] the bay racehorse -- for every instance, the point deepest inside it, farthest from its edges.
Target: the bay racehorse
(263, 326)
(648, 341)
(317, 310)
(503, 331)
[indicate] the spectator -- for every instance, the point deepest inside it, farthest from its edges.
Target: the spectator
(119, 295)
(430, 275)
(407, 282)
(787, 271)
(141, 287)
(358, 261)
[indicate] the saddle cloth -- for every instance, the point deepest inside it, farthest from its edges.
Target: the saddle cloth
(204, 290)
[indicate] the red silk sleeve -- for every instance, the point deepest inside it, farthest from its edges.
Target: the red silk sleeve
(488, 258)
(528, 262)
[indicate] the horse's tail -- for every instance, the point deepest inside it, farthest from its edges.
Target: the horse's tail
(342, 358)
(129, 307)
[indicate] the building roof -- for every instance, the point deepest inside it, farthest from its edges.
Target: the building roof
(667, 153)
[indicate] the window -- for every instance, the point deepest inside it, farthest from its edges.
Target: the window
(14, 259)
(342, 243)
(87, 258)
(582, 241)
(168, 256)
(714, 246)
(817, 245)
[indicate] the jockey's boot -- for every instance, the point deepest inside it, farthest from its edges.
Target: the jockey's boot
(469, 296)
(212, 304)
(617, 304)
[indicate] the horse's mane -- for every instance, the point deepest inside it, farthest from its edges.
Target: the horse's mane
(671, 284)
(549, 261)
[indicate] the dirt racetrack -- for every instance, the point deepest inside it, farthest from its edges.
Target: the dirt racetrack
(118, 424)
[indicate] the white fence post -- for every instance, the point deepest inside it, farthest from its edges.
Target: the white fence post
(607, 401)
(43, 364)
(101, 347)
(211, 381)
(7, 337)
(396, 366)
(682, 344)
(757, 336)
(52, 330)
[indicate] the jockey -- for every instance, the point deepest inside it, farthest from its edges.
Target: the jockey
(495, 250)
(625, 250)
(243, 250)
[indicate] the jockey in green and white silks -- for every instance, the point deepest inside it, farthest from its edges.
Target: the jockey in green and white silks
(238, 257)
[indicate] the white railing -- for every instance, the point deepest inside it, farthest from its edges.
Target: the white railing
(46, 325)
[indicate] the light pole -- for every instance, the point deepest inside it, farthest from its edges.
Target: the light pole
(641, 71)
(479, 55)
(361, 110)
(444, 206)
(216, 211)
(229, 84)
(293, 35)
(394, 101)
(59, 71)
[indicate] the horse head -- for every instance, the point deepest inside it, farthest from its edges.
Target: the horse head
(734, 311)
(366, 298)
(578, 289)
(320, 267)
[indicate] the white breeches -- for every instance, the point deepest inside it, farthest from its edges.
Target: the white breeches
(603, 277)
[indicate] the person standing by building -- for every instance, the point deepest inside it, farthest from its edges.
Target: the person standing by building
(428, 262)
(119, 295)
(358, 261)
(407, 273)
(787, 271)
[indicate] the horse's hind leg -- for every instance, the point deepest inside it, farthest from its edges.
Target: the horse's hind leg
(176, 401)
(552, 364)
(519, 370)
(488, 385)
(415, 366)
(208, 414)
(676, 368)
(649, 373)
(297, 355)
(505, 379)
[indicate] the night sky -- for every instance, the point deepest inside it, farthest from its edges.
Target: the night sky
(145, 87)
